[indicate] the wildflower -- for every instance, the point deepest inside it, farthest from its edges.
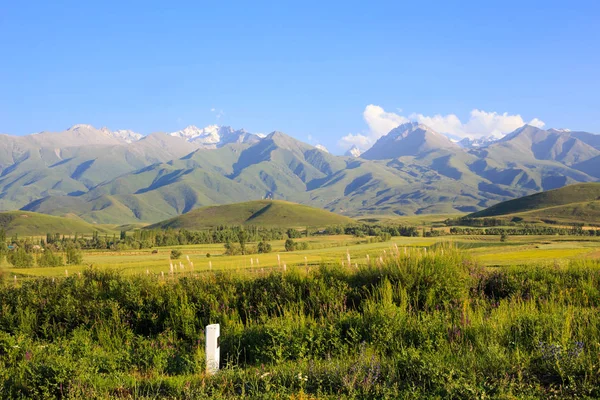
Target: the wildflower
(302, 377)
(265, 375)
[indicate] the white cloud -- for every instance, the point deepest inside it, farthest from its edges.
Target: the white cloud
(363, 142)
(480, 123)
(381, 122)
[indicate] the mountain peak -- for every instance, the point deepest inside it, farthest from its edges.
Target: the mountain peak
(214, 136)
(77, 127)
(409, 139)
(473, 143)
(322, 148)
(353, 152)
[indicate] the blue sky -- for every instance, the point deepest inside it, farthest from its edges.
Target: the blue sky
(310, 69)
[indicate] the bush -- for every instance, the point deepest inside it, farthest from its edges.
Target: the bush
(74, 256)
(293, 233)
(20, 258)
(49, 259)
(290, 245)
(264, 247)
(176, 254)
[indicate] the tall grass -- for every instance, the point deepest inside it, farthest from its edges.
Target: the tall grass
(409, 324)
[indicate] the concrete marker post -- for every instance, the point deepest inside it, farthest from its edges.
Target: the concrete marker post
(213, 350)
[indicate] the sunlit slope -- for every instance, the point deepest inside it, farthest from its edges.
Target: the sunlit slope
(579, 200)
(268, 213)
(25, 223)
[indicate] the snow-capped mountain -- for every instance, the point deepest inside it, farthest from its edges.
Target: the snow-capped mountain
(322, 148)
(214, 136)
(125, 135)
(484, 141)
(353, 152)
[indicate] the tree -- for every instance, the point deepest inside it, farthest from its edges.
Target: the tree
(49, 259)
(264, 247)
(242, 239)
(20, 258)
(503, 237)
(293, 233)
(290, 245)
(3, 246)
(175, 254)
(74, 256)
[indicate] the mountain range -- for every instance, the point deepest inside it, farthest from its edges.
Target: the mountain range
(104, 176)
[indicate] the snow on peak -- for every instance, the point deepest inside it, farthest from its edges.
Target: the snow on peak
(77, 127)
(471, 143)
(209, 134)
(322, 148)
(126, 135)
(353, 152)
(214, 136)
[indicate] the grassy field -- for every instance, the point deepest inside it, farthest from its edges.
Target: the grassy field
(416, 325)
(485, 250)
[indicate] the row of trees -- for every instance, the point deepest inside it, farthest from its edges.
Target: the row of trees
(525, 230)
(19, 258)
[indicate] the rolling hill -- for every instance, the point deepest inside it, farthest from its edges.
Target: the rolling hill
(24, 223)
(573, 203)
(267, 213)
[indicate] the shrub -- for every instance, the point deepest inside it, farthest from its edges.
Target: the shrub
(49, 259)
(175, 254)
(293, 233)
(264, 247)
(290, 245)
(74, 256)
(20, 258)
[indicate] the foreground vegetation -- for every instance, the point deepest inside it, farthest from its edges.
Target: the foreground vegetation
(412, 323)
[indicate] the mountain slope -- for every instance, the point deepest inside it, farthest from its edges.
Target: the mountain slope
(410, 139)
(269, 213)
(586, 213)
(28, 224)
(578, 193)
(412, 170)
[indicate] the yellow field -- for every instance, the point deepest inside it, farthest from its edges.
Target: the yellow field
(486, 250)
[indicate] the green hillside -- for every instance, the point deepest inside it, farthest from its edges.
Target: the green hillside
(569, 197)
(25, 223)
(270, 213)
(587, 212)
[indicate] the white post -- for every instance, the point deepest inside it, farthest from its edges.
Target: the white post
(213, 351)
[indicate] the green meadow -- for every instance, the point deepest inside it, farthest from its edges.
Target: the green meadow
(435, 314)
(420, 318)
(485, 250)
